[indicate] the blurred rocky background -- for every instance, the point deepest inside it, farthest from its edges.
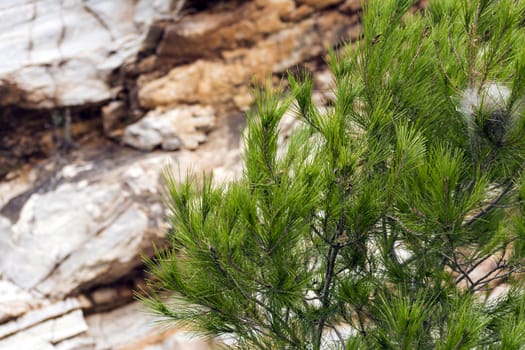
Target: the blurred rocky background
(96, 98)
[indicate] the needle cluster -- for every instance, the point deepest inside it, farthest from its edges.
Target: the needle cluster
(370, 228)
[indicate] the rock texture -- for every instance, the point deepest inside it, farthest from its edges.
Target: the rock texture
(60, 53)
(72, 244)
(63, 326)
(171, 129)
(97, 97)
(265, 41)
(83, 231)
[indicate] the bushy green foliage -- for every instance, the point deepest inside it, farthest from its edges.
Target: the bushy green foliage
(365, 231)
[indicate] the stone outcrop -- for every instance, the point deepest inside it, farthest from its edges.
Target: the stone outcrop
(84, 231)
(96, 99)
(62, 326)
(78, 238)
(60, 53)
(171, 129)
(224, 66)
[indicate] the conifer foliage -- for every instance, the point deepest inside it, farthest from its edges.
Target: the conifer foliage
(367, 230)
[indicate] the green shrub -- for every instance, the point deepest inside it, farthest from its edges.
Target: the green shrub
(367, 231)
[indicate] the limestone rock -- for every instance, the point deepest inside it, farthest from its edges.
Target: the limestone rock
(25, 341)
(85, 231)
(112, 253)
(89, 225)
(207, 34)
(319, 4)
(351, 5)
(105, 296)
(81, 342)
(89, 228)
(43, 327)
(112, 329)
(113, 114)
(14, 301)
(38, 316)
(60, 53)
(171, 129)
(212, 82)
(61, 328)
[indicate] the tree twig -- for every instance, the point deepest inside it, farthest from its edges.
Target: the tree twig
(489, 207)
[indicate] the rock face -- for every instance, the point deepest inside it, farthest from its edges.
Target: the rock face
(61, 236)
(60, 53)
(77, 239)
(63, 326)
(63, 53)
(265, 41)
(171, 129)
(169, 83)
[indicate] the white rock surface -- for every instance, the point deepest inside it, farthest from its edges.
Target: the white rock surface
(127, 328)
(59, 53)
(171, 129)
(39, 315)
(89, 226)
(135, 320)
(25, 341)
(88, 231)
(61, 328)
(41, 328)
(14, 301)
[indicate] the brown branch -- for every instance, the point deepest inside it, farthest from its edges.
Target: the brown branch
(497, 277)
(338, 334)
(325, 294)
(472, 268)
(492, 205)
(316, 231)
(425, 34)
(483, 282)
(464, 274)
(333, 251)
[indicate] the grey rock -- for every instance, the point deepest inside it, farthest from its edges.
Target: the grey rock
(112, 329)
(39, 315)
(57, 53)
(171, 129)
(85, 231)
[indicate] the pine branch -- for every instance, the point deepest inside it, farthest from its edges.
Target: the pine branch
(490, 206)
(301, 243)
(333, 252)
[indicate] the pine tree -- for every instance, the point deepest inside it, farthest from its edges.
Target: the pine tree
(365, 231)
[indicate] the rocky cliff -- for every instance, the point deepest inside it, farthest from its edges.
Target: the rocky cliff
(96, 98)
